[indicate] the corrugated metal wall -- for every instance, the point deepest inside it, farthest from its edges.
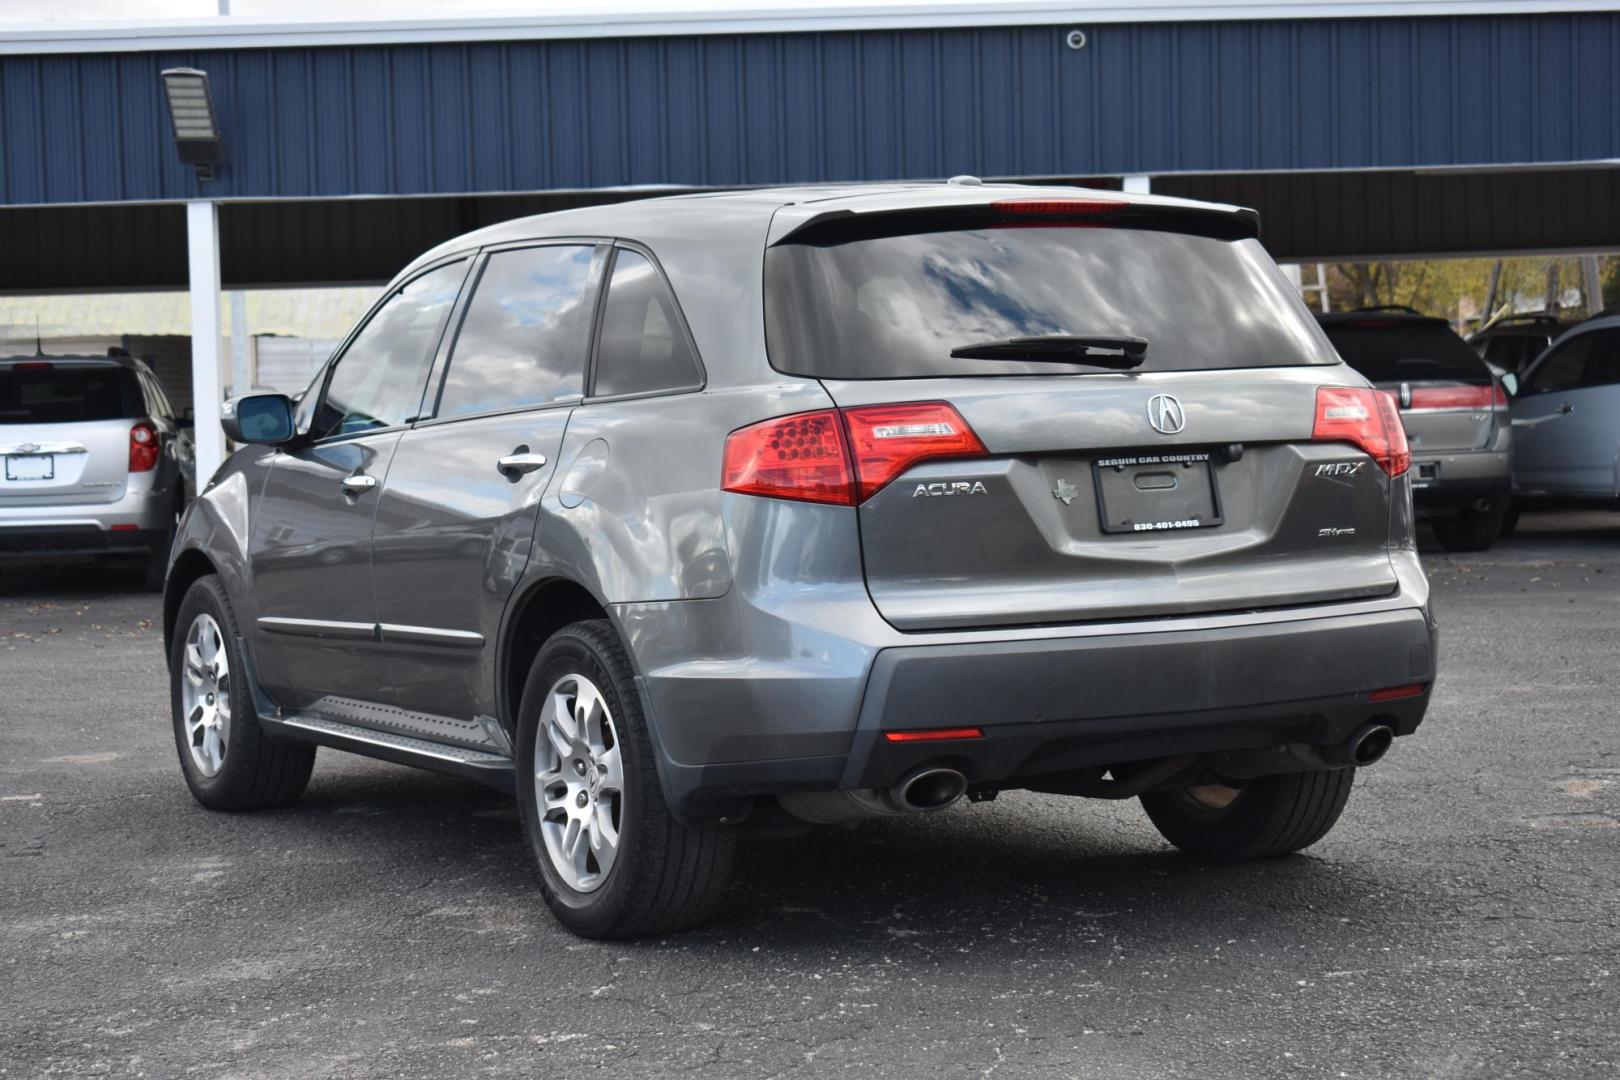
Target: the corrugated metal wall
(539, 115)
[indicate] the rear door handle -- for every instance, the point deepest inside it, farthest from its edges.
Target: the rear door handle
(358, 484)
(517, 464)
(1566, 408)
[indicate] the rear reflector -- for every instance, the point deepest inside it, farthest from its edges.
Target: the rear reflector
(935, 734)
(1396, 693)
(123, 528)
(1366, 419)
(1457, 397)
(144, 447)
(842, 456)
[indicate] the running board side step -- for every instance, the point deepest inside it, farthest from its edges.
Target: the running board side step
(496, 770)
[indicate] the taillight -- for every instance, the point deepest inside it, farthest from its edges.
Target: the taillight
(1457, 397)
(792, 457)
(144, 447)
(842, 456)
(1366, 419)
(889, 439)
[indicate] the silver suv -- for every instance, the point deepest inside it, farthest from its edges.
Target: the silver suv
(96, 462)
(1454, 409)
(806, 506)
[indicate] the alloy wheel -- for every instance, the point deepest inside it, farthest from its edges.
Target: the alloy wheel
(579, 783)
(205, 695)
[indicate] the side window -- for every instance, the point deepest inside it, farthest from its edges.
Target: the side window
(1563, 369)
(525, 334)
(643, 344)
(378, 381)
(1603, 364)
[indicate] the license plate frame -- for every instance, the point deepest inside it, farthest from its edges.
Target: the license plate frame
(23, 476)
(1191, 501)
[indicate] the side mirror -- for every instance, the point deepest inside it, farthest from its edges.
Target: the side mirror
(1510, 383)
(258, 418)
(188, 417)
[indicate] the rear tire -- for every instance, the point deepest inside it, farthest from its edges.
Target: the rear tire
(1469, 529)
(1270, 815)
(228, 762)
(597, 790)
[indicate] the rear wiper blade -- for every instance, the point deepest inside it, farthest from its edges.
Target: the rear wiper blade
(1116, 352)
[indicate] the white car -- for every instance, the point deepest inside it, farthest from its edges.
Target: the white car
(93, 461)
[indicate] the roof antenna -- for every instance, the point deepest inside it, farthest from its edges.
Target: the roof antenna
(39, 342)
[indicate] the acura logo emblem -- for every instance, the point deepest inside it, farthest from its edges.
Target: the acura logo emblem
(1164, 413)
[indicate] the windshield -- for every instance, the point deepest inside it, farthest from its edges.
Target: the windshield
(895, 306)
(40, 392)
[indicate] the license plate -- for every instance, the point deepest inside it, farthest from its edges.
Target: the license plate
(1156, 493)
(30, 467)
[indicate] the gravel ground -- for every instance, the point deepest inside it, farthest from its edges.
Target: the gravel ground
(1463, 920)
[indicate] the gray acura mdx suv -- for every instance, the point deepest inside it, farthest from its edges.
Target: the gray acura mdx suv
(815, 505)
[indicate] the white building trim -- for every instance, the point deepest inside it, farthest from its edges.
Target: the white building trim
(641, 18)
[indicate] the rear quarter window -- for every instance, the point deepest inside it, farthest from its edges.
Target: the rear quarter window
(895, 306)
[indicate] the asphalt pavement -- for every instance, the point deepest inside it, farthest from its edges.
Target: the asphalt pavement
(1463, 920)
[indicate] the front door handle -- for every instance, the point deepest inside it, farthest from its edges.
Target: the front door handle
(1566, 408)
(520, 462)
(358, 484)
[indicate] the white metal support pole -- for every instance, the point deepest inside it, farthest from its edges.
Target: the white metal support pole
(1593, 284)
(241, 377)
(202, 242)
(1138, 185)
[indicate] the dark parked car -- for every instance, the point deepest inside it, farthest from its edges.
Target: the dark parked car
(1513, 343)
(813, 505)
(96, 462)
(1455, 412)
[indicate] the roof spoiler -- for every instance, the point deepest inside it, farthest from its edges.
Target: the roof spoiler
(843, 225)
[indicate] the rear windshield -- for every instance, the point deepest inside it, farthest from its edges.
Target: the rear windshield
(895, 306)
(62, 394)
(1395, 351)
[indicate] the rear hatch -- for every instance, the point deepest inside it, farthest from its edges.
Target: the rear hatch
(65, 431)
(1448, 397)
(1190, 481)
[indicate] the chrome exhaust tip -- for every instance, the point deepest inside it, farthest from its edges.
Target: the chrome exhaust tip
(1372, 744)
(930, 789)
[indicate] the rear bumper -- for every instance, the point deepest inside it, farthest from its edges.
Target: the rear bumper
(1446, 483)
(1049, 705)
(21, 544)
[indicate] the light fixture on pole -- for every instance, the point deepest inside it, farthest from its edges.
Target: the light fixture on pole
(191, 109)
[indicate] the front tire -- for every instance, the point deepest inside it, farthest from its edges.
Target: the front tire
(228, 762)
(614, 862)
(1267, 816)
